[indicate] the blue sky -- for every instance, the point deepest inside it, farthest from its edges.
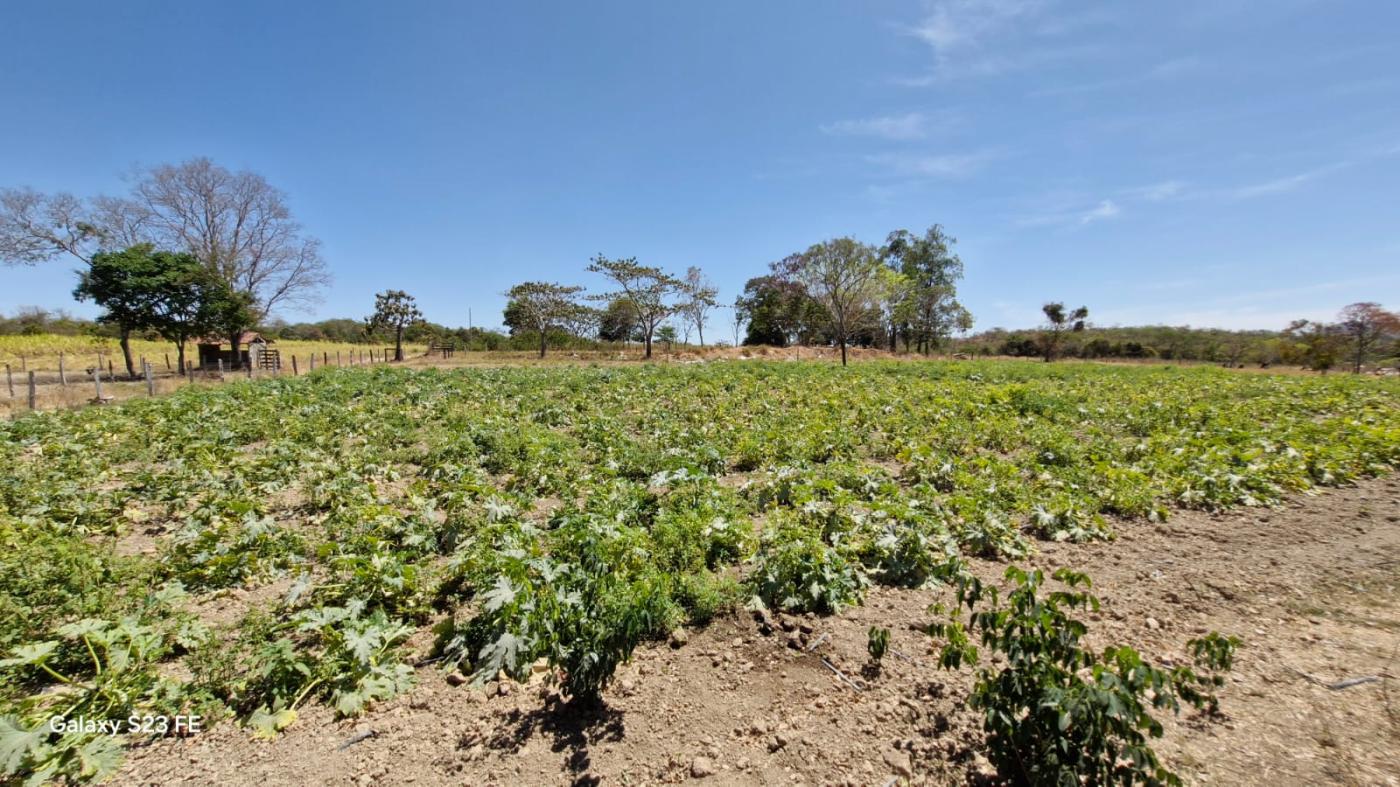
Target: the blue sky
(1211, 162)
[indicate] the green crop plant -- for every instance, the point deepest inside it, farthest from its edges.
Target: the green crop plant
(1055, 712)
(571, 513)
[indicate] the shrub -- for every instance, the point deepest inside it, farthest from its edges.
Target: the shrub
(1056, 713)
(797, 571)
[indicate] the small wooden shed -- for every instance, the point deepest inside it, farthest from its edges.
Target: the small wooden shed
(213, 349)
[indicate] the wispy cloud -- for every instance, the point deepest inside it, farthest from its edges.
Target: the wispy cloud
(1166, 70)
(1157, 192)
(1282, 185)
(1065, 211)
(944, 165)
(953, 24)
(913, 125)
(985, 38)
(1106, 209)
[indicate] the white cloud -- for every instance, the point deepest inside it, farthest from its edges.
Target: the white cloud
(948, 165)
(952, 24)
(914, 125)
(1158, 192)
(985, 38)
(1106, 209)
(1069, 210)
(1282, 185)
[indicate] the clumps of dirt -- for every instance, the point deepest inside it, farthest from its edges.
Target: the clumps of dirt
(1313, 588)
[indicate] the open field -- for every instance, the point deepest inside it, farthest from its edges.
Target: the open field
(315, 559)
(40, 353)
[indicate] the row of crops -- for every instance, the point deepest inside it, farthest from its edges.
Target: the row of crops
(568, 514)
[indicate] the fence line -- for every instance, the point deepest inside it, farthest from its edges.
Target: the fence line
(146, 378)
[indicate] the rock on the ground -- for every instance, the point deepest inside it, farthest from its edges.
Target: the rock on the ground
(899, 763)
(701, 767)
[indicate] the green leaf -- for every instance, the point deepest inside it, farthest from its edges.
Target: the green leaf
(500, 595)
(18, 743)
(26, 655)
(266, 724)
(504, 653)
(99, 757)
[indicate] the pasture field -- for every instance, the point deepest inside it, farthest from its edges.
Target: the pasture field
(40, 352)
(507, 522)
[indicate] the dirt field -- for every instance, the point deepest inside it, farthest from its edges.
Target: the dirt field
(1313, 588)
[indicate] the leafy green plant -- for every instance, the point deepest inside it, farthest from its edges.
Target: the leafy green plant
(100, 670)
(584, 616)
(1054, 712)
(345, 654)
(796, 571)
(877, 643)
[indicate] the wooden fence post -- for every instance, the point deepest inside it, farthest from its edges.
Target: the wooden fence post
(294, 366)
(33, 393)
(62, 371)
(97, 381)
(312, 365)
(221, 370)
(337, 358)
(150, 379)
(167, 362)
(325, 358)
(111, 370)
(23, 364)
(10, 380)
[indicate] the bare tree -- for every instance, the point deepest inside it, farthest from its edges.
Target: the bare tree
(649, 290)
(1365, 325)
(699, 295)
(844, 276)
(37, 227)
(236, 223)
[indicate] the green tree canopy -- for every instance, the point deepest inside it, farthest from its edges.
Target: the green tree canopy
(543, 308)
(394, 310)
(650, 291)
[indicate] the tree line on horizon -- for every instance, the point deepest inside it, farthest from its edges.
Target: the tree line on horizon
(839, 292)
(1363, 333)
(195, 250)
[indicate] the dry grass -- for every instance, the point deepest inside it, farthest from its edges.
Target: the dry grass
(41, 353)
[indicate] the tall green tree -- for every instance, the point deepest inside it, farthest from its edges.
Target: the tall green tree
(126, 285)
(777, 311)
(189, 302)
(394, 310)
(650, 291)
(617, 322)
(1315, 344)
(543, 308)
(927, 310)
(1058, 322)
(845, 277)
